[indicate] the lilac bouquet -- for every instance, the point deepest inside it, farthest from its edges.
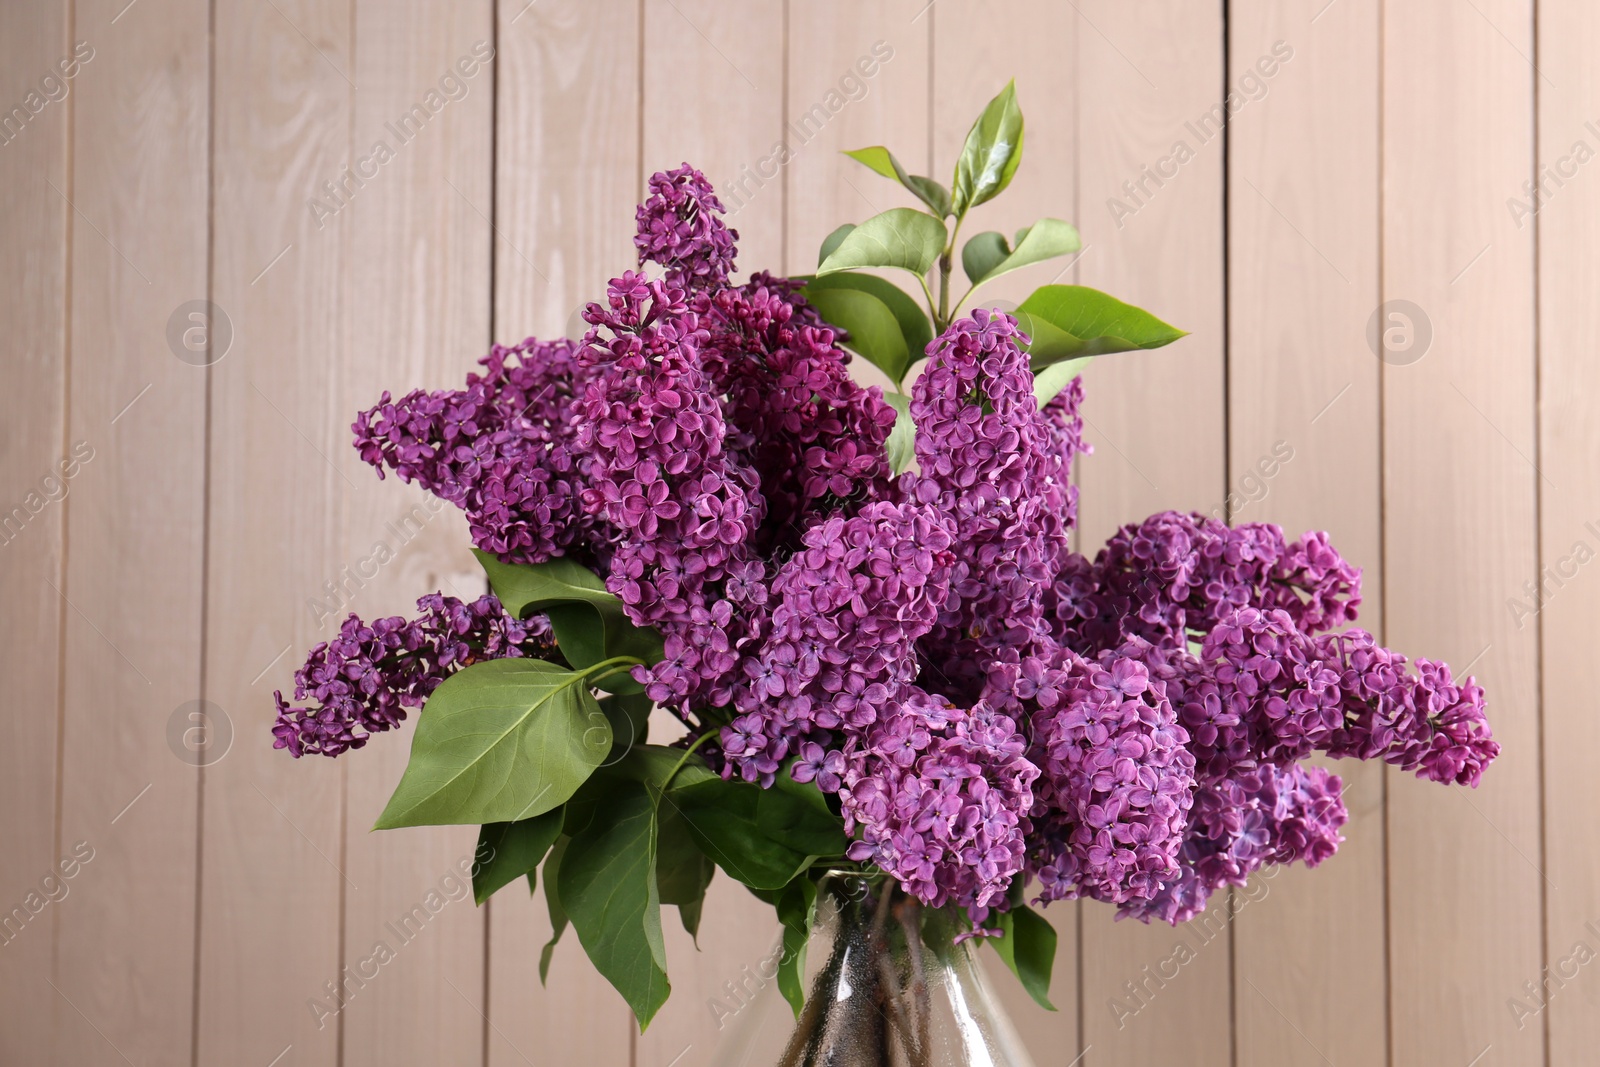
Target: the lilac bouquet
(862, 606)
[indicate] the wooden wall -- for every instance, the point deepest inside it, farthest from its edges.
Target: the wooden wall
(192, 518)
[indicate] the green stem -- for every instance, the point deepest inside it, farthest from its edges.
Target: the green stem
(606, 668)
(685, 759)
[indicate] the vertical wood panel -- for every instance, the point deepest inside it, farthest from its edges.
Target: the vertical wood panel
(135, 528)
(1460, 523)
(974, 54)
(566, 181)
(826, 41)
(33, 304)
(279, 515)
(1568, 223)
(1303, 446)
(713, 95)
(420, 275)
(1156, 422)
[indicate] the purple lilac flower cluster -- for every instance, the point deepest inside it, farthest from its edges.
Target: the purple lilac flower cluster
(362, 682)
(985, 704)
(501, 450)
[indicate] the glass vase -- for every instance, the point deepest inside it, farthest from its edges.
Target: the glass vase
(887, 986)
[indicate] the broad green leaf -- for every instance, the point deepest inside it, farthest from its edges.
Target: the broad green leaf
(500, 741)
(509, 850)
(761, 837)
(913, 320)
(902, 439)
(1028, 947)
(608, 890)
(990, 157)
(629, 717)
(982, 253)
(682, 871)
(587, 634)
(873, 331)
(797, 911)
(652, 764)
(522, 587)
(552, 902)
(901, 237)
(881, 160)
(1044, 240)
(832, 241)
(1049, 382)
(1087, 322)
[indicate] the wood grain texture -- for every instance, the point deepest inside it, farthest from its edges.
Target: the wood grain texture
(280, 517)
(1568, 221)
(1156, 423)
(835, 104)
(136, 534)
(974, 55)
(1303, 445)
(567, 179)
(420, 246)
(33, 492)
(726, 120)
(1460, 533)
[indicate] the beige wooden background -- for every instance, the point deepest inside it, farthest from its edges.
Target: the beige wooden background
(1380, 161)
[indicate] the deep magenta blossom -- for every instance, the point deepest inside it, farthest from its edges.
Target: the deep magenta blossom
(980, 703)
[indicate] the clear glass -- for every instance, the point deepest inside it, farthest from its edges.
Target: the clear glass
(887, 987)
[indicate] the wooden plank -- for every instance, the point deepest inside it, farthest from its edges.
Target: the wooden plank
(832, 44)
(1303, 452)
(33, 493)
(974, 54)
(420, 240)
(1568, 220)
(713, 96)
(280, 519)
(567, 180)
(1156, 424)
(135, 531)
(1460, 526)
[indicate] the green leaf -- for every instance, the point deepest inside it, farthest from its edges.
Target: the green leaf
(1045, 239)
(873, 331)
(499, 741)
(1049, 382)
(761, 837)
(901, 237)
(881, 160)
(552, 901)
(993, 149)
(509, 850)
(1087, 322)
(1028, 947)
(524, 587)
(914, 324)
(982, 253)
(589, 622)
(833, 240)
(797, 911)
(587, 634)
(682, 871)
(652, 764)
(608, 889)
(902, 439)
(629, 717)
